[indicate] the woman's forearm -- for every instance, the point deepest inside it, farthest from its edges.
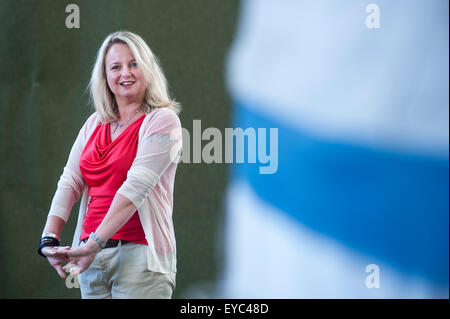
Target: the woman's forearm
(120, 211)
(54, 225)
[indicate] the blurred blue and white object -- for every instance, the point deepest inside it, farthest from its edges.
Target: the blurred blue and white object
(362, 118)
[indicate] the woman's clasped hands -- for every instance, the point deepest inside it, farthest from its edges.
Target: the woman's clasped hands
(76, 259)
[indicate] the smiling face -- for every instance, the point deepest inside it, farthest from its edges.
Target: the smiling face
(125, 80)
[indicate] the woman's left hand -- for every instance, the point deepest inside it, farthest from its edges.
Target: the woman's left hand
(80, 258)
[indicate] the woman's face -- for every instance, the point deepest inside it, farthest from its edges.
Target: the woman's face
(124, 77)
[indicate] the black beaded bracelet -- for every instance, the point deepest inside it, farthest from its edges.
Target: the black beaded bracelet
(45, 242)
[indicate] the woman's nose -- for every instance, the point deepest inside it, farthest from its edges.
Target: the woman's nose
(125, 72)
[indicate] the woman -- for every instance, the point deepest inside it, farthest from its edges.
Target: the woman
(123, 166)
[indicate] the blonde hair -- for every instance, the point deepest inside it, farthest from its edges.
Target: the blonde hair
(156, 94)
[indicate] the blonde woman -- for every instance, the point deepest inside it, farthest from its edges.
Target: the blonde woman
(122, 166)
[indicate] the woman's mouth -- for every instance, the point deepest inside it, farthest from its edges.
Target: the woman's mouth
(127, 83)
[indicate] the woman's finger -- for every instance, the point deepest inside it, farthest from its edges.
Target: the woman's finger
(76, 252)
(48, 251)
(73, 260)
(75, 270)
(61, 247)
(72, 268)
(68, 266)
(59, 253)
(60, 271)
(55, 251)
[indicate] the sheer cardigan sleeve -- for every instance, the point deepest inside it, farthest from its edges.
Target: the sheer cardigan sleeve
(71, 183)
(159, 147)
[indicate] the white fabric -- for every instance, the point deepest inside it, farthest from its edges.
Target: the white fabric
(149, 184)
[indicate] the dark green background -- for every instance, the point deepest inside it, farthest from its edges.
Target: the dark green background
(44, 70)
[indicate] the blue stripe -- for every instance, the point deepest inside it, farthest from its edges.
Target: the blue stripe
(391, 206)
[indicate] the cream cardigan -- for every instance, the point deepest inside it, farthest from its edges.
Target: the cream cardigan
(149, 184)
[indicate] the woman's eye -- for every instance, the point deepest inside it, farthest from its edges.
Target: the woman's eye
(134, 64)
(115, 67)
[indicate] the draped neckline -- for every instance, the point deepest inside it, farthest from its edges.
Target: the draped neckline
(104, 144)
(108, 130)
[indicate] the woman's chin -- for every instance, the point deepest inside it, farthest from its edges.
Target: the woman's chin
(128, 94)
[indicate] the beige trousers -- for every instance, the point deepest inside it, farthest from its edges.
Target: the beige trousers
(121, 272)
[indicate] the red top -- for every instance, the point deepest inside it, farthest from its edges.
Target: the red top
(104, 165)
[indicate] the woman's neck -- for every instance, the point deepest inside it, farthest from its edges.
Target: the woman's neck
(125, 111)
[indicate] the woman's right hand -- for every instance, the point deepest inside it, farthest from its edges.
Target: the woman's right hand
(57, 256)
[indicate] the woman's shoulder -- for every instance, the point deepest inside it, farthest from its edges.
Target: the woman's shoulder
(163, 111)
(91, 122)
(162, 114)
(92, 118)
